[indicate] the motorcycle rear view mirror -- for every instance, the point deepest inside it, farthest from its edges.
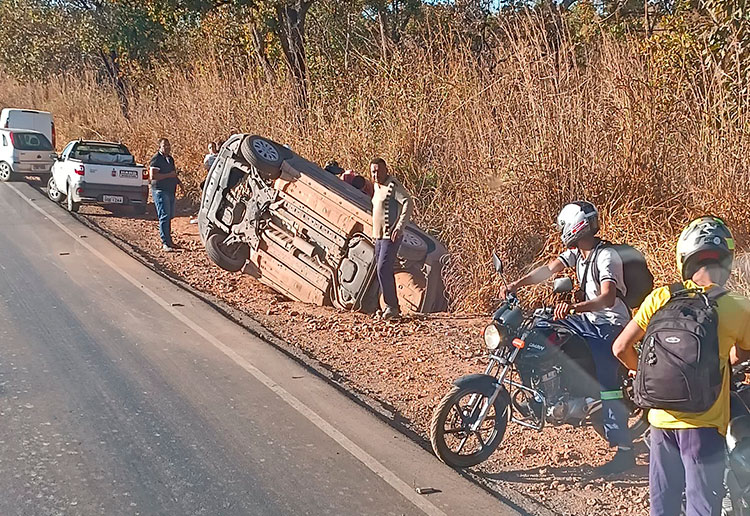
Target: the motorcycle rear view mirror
(562, 285)
(497, 263)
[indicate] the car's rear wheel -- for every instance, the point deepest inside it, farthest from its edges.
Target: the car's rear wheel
(53, 192)
(265, 155)
(229, 257)
(6, 173)
(412, 247)
(71, 204)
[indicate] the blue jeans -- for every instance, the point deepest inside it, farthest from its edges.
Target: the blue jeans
(385, 259)
(689, 460)
(164, 201)
(614, 413)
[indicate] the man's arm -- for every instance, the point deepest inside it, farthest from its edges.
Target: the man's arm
(624, 345)
(407, 206)
(156, 175)
(738, 355)
(535, 277)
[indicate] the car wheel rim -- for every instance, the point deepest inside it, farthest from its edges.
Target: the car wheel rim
(265, 150)
(412, 240)
(4, 171)
(53, 191)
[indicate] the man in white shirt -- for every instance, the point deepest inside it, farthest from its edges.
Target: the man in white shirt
(603, 315)
(391, 209)
(209, 159)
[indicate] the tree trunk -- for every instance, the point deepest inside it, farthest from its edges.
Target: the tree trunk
(114, 73)
(291, 20)
(261, 55)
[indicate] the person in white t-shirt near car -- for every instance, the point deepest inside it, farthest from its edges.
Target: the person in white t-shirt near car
(599, 314)
(209, 158)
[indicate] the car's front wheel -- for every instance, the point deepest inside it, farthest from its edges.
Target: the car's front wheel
(230, 257)
(53, 192)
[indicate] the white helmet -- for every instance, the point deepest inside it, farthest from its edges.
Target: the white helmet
(577, 220)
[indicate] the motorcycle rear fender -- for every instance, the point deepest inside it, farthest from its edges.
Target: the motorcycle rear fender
(483, 383)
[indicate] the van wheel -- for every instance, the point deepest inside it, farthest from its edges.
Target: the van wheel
(71, 204)
(229, 257)
(53, 193)
(6, 173)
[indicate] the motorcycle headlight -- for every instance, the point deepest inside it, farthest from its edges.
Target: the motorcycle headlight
(493, 336)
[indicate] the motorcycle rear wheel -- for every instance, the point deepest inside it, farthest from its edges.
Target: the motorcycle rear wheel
(451, 438)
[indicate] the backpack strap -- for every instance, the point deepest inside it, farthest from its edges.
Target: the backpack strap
(674, 288)
(715, 293)
(595, 268)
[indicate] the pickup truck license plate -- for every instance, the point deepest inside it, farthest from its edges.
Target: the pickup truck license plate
(115, 199)
(129, 173)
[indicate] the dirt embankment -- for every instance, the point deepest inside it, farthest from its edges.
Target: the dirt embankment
(407, 367)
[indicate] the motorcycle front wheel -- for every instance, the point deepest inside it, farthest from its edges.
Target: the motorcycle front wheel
(452, 439)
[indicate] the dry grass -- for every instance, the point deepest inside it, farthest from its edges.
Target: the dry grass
(490, 154)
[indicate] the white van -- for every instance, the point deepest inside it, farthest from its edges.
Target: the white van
(31, 119)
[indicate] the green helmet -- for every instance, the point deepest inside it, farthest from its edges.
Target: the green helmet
(705, 238)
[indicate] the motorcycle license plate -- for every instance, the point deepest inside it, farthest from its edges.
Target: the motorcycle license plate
(114, 199)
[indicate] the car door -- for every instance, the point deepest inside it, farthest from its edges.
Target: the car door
(59, 168)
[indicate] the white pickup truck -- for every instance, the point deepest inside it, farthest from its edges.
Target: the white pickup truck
(98, 173)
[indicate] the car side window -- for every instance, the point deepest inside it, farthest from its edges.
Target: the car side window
(66, 151)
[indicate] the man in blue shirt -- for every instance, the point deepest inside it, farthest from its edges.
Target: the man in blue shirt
(164, 183)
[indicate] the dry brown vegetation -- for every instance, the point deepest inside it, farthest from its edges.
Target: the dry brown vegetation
(491, 152)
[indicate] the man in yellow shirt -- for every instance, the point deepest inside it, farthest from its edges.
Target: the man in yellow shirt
(687, 449)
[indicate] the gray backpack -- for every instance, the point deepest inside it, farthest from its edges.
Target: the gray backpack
(679, 367)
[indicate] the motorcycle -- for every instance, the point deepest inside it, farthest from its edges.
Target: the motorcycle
(540, 371)
(738, 444)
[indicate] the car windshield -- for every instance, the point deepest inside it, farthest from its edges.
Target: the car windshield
(103, 154)
(31, 142)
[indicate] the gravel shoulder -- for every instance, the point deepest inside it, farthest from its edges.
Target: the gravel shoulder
(405, 368)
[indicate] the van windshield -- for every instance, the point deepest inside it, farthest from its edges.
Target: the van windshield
(103, 154)
(31, 141)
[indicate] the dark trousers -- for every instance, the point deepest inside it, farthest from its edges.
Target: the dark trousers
(689, 460)
(385, 259)
(164, 201)
(614, 412)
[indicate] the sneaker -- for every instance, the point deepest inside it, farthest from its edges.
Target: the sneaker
(623, 460)
(391, 312)
(166, 248)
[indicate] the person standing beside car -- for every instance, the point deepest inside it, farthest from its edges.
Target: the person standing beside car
(391, 210)
(164, 183)
(208, 159)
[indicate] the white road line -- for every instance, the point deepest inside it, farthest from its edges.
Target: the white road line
(365, 458)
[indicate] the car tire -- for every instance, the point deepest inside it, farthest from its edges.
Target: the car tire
(265, 155)
(6, 173)
(71, 205)
(54, 194)
(413, 248)
(230, 258)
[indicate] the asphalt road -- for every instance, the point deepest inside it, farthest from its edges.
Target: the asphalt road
(120, 393)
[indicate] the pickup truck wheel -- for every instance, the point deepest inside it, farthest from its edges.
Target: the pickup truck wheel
(229, 257)
(71, 204)
(53, 193)
(265, 155)
(6, 173)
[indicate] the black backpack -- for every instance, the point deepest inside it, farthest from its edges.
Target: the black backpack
(638, 279)
(679, 367)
